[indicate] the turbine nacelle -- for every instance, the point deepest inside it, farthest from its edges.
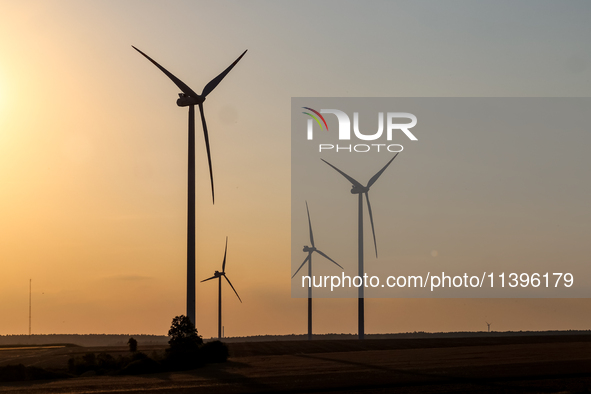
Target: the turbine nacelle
(358, 189)
(186, 100)
(309, 249)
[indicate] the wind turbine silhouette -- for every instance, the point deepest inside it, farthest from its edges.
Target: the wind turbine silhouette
(358, 188)
(189, 98)
(488, 324)
(219, 275)
(308, 259)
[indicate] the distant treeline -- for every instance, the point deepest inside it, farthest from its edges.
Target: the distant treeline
(404, 335)
(83, 339)
(147, 340)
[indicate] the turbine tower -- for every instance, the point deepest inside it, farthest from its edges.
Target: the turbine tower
(219, 275)
(308, 259)
(488, 324)
(189, 98)
(358, 188)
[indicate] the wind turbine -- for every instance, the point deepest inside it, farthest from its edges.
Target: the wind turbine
(219, 275)
(189, 98)
(358, 188)
(488, 324)
(308, 259)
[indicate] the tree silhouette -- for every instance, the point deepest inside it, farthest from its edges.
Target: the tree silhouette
(132, 345)
(184, 337)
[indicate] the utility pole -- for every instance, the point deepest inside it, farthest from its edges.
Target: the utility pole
(30, 280)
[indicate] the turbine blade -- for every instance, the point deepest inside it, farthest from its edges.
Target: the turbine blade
(205, 280)
(322, 254)
(310, 224)
(225, 251)
(232, 287)
(307, 258)
(181, 85)
(376, 176)
(353, 181)
(206, 135)
(214, 82)
(371, 221)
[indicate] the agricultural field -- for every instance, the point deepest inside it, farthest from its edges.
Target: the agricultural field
(484, 365)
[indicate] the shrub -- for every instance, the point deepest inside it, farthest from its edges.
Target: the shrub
(106, 362)
(215, 352)
(14, 373)
(79, 365)
(139, 356)
(158, 356)
(101, 363)
(183, 360)
(141, 366)
(89, 359)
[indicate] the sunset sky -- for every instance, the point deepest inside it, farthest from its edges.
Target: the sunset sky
(93, 149)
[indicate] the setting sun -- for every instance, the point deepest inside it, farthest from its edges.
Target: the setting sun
(2, 97)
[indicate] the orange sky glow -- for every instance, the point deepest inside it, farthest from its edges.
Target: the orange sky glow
(93, 151)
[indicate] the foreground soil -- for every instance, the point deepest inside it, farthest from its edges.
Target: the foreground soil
(482, 365)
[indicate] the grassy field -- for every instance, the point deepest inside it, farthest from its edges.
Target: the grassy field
(541, 364)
